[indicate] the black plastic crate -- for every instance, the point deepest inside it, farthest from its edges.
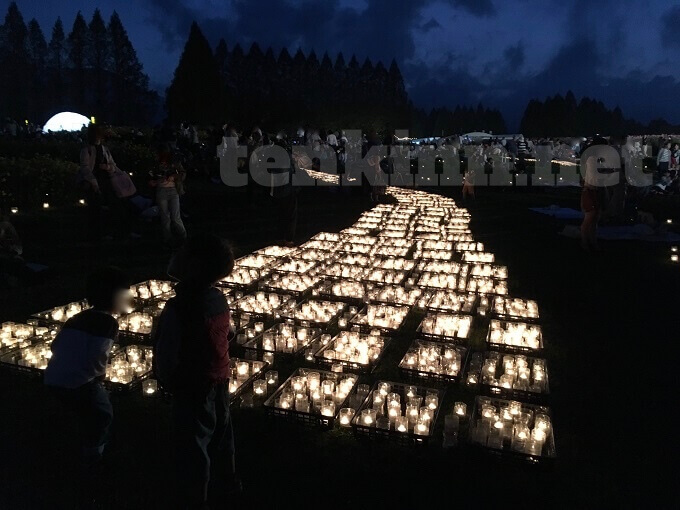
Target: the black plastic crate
(450, 302)
(430, 327)
(508, 447)
(292, 312)
(395, 295)
(355, 294)
(353, 366)
(247, 306)
(484, 386)
(496, 308)
(313, 417)
(407, 438)
(494, 344)
(58, 315)
(256, 346)
(416, 371)
(298, 286)
(239, 384)
(361, 321)
(243, 279)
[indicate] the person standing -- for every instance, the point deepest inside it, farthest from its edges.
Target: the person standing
(168, 180)
(191, 359)
(80, 353)
(663, 159)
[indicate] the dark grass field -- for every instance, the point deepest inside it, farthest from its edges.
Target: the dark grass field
(610, 324)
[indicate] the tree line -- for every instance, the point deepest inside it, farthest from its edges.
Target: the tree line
(92, 70)
(284, 91)
(565, 116)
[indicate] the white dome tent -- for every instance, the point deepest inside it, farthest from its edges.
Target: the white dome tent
(66, 121)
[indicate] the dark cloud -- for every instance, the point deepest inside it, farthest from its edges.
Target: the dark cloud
(430, 25)
(670, 27)
(514, 56)
(480, 8)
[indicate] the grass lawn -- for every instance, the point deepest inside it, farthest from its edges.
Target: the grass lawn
(610, 324)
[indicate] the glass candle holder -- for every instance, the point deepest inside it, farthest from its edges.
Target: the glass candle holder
(368, 417)
(328, 408)
(272, 377)
(149, 387)
(401, 424)
(260, 387)
(460, 409)
(422, 427)
(346, 415)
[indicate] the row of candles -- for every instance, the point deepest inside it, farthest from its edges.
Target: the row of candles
(132, 362)
(401, 409)
(315, 392)
(447, 325)
(500, 424)
(515, 334)
(509, 307)
(354, 347)
(321, 312)
(436, 358)
(13, 335)
(286, 338)
(508, 372)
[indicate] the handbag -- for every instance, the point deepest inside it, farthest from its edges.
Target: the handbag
(122, 185)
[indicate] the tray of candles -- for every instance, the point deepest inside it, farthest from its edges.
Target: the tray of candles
(437, 281)
(60, 314)
(440, 255)
(147, 291)
(354, 351)
(31, 359)
(388, 250)
(477, 257)
(395, 295)
(436, 362)
(261, 305)
(314, 312)
(276, 251)
(348, 291)
(469, 246)
(446, 301)
(509, 376)
(513, 430)
(386, 318)
(483, 285)
(489, 271)
(312, 397)
(15, 335)
(517, 337)
(294, 266)
(399, 413)
(508, 308)
(446, 327)
(293, 284)
(385, 276)
(256, 261)
(243, 278)
(340, 271)
(242, 375)
(128, 367)
(284, 338)
(439, 266)
(137, 326)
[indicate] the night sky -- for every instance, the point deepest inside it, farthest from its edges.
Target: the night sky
(500, 52)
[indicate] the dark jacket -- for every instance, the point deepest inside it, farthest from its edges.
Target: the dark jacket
(191, 343)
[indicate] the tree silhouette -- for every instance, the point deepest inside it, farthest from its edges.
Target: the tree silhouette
(194, 91)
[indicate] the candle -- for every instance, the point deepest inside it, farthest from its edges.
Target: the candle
(346, 415)
(149, 387)
(260, 388)
(460, 409)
